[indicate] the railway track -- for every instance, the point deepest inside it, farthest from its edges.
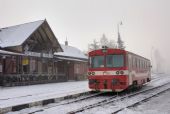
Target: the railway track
(141, 101)
(95, 104)
(79, 99)
(114, 99)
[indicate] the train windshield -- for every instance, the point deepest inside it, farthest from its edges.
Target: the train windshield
(114, 61)
(97, 61)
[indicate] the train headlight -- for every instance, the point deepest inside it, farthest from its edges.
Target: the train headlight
(122, 72)
(93, 73)
(117, 72)
(89, 73)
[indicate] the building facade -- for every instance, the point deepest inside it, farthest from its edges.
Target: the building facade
(29, 55)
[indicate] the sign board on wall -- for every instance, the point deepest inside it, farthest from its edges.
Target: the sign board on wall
(25, 61)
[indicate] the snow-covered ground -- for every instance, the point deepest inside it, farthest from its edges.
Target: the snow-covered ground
(13, 95)
(10, 96)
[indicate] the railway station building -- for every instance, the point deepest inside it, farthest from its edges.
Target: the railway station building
(31, 54)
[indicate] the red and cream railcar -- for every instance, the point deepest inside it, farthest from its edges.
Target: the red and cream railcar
(117, 70)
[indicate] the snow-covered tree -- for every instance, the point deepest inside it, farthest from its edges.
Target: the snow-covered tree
(104, 41)
(112, 44)
(120, 42)
(94, 46)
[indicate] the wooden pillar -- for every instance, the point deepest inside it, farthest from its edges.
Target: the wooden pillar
(36, 61)
(4, 64)
(29, 63)
(53, 70)
(17, 65)
(21, 60)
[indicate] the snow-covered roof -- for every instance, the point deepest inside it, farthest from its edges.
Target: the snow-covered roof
(16, 35)
(70, 51)
(9, 53)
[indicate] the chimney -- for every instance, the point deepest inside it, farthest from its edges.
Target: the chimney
(66, 42)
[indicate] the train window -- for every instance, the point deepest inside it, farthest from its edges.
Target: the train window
(130, 62)
(138, 63)
(134, 63)
(97, 61)
(142, 64)
(114, 61)
(147, 65)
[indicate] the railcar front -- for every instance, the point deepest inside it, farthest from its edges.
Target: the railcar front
(108, 70)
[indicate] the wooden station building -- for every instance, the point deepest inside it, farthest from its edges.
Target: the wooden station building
(30, 54)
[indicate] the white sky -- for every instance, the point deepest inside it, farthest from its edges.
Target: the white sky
(146, 23)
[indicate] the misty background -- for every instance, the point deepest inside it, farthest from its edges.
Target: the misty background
(145, 29)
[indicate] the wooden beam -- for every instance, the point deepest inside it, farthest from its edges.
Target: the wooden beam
(36, 37)
(48, 37)
(48, 44)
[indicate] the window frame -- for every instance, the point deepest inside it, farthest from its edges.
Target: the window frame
(113, 62)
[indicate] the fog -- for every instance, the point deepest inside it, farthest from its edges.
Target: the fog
(145, 28)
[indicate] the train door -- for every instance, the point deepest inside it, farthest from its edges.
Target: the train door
(129, 66)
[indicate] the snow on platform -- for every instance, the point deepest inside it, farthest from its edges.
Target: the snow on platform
(13, 96)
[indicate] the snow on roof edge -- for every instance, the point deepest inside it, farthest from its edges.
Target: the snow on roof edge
(8, 34)
(70, 51)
